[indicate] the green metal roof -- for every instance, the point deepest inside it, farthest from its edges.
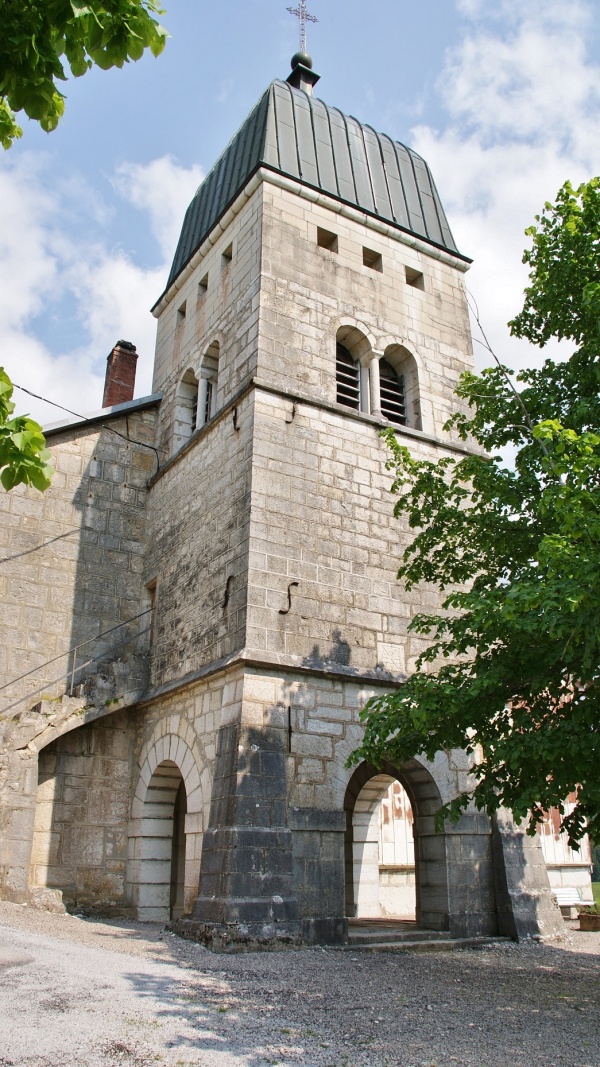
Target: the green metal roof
(298, 135)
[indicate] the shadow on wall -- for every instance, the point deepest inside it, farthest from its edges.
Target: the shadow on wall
(111, 616)
(340, 653)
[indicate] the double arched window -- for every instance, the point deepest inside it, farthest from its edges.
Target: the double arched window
(383, 384)
(196, 400)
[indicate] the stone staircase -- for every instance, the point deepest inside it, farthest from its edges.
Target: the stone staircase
(403, 935)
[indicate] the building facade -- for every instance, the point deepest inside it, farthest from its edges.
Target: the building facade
(219, 561)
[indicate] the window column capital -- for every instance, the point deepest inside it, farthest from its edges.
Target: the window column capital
(370, 357)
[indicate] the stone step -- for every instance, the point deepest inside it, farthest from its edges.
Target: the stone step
(418, 944)
(369, 935)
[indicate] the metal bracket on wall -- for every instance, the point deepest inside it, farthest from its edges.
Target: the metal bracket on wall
(291, 415)
(235, 419)
(284, 611)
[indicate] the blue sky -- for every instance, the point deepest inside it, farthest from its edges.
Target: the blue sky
(502, 97)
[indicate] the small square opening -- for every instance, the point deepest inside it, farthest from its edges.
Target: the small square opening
(414, 278)
(227, 256)
(202, 286)
(372, 259)
(181, 314)
(327, 239)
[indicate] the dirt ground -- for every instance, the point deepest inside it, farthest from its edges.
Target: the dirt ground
(81, 993)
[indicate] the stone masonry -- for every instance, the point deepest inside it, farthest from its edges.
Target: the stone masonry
(200, 606)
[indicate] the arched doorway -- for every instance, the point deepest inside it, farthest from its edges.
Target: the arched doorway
(383, 851)
(395, 861)
(161, 874)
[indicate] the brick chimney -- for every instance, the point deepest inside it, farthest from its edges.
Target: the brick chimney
(119, 383)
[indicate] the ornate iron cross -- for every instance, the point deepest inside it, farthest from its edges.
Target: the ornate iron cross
(302, 14)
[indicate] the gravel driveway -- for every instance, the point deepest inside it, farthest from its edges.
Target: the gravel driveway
(82, 993)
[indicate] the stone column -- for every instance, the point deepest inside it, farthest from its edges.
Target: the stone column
(525, 903)
(202, 390)
(375, 383)
(246, 896)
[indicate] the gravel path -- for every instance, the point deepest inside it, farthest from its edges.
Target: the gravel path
(82, 993)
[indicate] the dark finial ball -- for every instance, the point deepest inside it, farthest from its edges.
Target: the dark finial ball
(303, 58)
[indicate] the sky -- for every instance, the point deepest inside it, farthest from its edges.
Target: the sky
(501, 97)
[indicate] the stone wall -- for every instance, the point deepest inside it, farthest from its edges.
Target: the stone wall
(82, 813)
(197, 556)
(308, 292)
(226, 311)
(72, 561)
(322, 519)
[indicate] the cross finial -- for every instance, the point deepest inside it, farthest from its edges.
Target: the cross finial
(302, 14)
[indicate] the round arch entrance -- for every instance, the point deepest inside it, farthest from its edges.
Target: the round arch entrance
(366, 791)
(161, 865)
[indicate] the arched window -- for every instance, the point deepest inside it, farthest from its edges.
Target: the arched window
(393, 401)
(209, 373)
(186, 409)
(347, 378)
(399, 390)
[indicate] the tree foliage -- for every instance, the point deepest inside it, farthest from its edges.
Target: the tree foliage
(42, 40)
(23, 453)
(510, 671)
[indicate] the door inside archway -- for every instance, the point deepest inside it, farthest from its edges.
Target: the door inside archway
(396, 862)
(161, 883)
(383, 851)
(177, 895)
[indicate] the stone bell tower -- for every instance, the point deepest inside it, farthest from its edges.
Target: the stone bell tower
(316, 296)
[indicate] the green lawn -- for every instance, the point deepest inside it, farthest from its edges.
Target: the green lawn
(596, 888)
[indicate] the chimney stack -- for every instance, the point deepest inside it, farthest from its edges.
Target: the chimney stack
(119, 383)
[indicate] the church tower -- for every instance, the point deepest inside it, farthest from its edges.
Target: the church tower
(316, 296)
(227, 601)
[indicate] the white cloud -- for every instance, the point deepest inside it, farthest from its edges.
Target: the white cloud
(54, 264)
(524, 115)
(163, 189)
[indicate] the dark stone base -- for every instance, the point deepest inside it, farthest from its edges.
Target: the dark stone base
(262, 937)
(240, 937)
(325, 931)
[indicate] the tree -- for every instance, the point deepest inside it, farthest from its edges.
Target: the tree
(511, 669)
(40, 38)
(23, 453)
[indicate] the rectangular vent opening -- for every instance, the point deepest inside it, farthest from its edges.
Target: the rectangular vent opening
(372, 259)
(202, 286)
(227, 256)
(414, 278)
(181, 314)
(327, 239)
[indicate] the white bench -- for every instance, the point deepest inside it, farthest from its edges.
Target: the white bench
(568, 900)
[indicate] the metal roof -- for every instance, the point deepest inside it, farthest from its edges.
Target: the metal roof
(300, 136)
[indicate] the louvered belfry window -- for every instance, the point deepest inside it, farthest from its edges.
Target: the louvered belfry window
(347, 377)
(393, 406)
(208, 402)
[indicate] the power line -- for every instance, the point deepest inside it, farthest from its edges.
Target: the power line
(36, 548)
(85, 419)
(94, 659)
(80, 644)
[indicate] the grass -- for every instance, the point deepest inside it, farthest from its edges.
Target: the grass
(596, 891)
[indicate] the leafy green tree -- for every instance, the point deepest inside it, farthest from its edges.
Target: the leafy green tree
(42, 39)
(23, 453)
(511, 668)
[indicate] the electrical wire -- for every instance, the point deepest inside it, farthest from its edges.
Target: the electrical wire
(85, 419)
(36, 548)
(82, 666)
(80, 644)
